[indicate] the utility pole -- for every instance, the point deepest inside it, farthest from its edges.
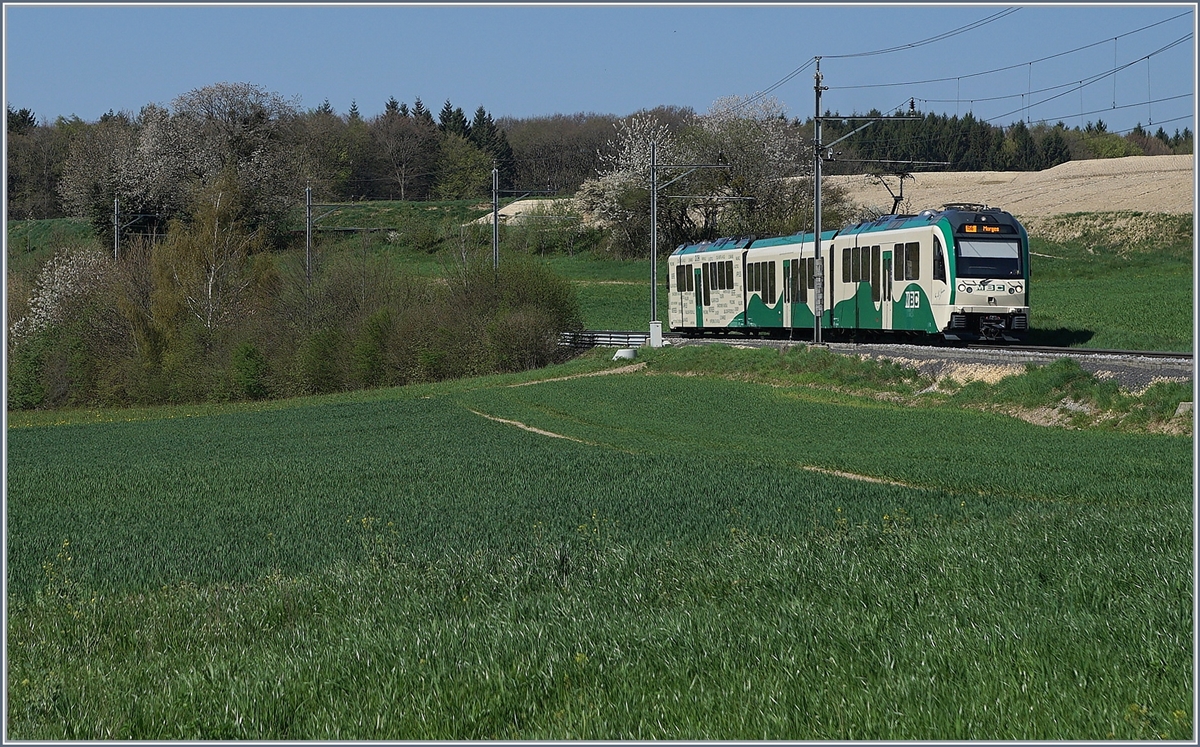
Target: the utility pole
(496, 210)
(819, 274)
(495, 218)
(819, 154)
(308, 234)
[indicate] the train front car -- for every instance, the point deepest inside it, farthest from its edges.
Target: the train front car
(989, 274)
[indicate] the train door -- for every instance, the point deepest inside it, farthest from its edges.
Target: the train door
(885, 304)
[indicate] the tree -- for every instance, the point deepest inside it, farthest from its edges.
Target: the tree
(420, 112)
(242, 129)
(452, 121)
(1053, 149)
(20, 121)
(619, 198)
(464, 170)
(92, 174)
(407, 149)
(767, 172)
(491, 140)
(202, 269)
(557, 152)
(36, 154)
(1021, 153)
(321, 140)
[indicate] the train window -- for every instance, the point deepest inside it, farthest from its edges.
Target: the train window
(787, 281)
(811, 272)
(987, 259)
(719, 269)
(680, 278)
(898, 260)
(691, 278)
(939, 261)
(912, 261)
(799, 282)
(729, 274)
(752, 277)
(846, 264)
(875, 273)
(704, 278)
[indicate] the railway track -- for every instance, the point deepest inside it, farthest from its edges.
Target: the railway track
(1133, 369)
(1083, 351)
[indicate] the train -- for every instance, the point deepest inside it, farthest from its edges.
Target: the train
(959, 273)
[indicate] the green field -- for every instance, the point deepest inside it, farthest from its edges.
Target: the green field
(696, 557)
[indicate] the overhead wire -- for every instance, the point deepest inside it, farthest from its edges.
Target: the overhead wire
(940, 37)
(945, 35)
(1098, 77)
(1007, 67)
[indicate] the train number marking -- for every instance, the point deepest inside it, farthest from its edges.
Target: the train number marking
(912, 299)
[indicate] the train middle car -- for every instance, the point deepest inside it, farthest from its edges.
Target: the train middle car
(961, 273)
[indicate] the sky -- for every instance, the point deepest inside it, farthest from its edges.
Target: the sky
(1003, 63)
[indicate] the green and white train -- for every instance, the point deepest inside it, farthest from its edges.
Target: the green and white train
(961, 272)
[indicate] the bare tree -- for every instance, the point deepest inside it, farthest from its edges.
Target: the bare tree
(407, 149)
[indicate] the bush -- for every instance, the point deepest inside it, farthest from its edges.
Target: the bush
(369, 359)
(248, 372)
(320, 362)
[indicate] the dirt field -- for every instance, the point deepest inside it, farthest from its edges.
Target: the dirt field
(1148, 184)
(1145, 184)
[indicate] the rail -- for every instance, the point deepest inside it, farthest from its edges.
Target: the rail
(1084, 351)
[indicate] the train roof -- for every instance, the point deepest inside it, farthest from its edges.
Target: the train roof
(716, 245)
(957, 214)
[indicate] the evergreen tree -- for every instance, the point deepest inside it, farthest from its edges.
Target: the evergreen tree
(453, 121)
(354, 116)
(1053, 149)
(20, 121)
(420, 113)
(1025, 154)
(392, 107)
(491, 140)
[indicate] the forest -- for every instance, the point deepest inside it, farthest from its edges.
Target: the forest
(69, 167)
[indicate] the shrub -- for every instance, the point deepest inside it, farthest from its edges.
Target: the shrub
(369, 359)
(248, 372)
(320, 362)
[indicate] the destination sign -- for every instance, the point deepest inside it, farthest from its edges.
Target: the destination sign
(973, 228)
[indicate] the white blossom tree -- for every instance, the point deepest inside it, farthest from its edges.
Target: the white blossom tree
(619, 197)
(67, 277)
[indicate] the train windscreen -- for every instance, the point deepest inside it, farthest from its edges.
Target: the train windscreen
(987, 259)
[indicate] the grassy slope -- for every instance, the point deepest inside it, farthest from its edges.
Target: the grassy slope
(390, 564)
(1124, 297)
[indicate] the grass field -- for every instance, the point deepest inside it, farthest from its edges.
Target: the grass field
(1105, 297)
(783, 556)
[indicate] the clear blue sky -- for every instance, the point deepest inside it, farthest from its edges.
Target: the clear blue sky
(523, 60)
